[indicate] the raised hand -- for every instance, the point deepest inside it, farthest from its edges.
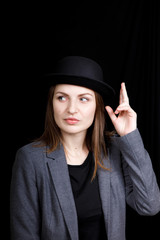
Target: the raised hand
(124, 118)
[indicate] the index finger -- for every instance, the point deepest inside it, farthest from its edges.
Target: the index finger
(123, 94)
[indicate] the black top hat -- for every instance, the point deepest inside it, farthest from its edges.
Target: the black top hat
(81, 71)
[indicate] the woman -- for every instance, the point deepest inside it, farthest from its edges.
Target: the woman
(74, 182)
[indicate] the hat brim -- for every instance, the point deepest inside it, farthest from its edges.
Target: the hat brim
(105, 90)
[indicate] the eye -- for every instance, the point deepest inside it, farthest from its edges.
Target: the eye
(62, 98)
(84, 99)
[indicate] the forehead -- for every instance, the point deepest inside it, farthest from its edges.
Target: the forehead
(69, 89)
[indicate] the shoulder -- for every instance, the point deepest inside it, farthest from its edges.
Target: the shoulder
(30, 154)
(32, 148)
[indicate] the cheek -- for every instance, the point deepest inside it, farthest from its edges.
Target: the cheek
(57, 111)
(57, 117)
(90, 113)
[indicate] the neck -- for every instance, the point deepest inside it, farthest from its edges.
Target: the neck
(75, 147)
(74, 142)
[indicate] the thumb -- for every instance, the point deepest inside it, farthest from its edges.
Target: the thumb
(111, 113)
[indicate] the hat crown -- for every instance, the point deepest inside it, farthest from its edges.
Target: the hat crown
(81, 71)
(79, 67)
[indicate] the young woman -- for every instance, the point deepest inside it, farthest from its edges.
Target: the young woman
(75, 181)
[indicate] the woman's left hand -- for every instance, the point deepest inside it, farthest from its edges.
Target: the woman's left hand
(124, 118)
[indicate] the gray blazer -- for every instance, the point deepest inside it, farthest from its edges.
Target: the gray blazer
(42, 203)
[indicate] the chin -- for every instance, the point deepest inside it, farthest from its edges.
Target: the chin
(73, 130)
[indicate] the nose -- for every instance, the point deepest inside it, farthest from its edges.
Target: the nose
(72, 106)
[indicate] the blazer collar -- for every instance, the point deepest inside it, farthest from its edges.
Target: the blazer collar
(60, 176)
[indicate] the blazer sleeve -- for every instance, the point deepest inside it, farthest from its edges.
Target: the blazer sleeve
(24, 203)
(142, 191)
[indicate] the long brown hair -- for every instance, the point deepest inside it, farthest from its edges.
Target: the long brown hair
(96, 134)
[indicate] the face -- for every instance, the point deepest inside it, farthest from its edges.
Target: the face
(74, 108)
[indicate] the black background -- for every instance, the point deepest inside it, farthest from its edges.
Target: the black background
(122, 36)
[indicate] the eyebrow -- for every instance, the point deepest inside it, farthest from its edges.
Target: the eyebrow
(82, 94)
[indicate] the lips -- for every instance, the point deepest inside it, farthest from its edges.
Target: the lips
(71, 121)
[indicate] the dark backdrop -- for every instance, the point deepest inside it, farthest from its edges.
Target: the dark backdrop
(123, 36)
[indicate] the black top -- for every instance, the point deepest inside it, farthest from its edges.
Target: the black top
(87, 201)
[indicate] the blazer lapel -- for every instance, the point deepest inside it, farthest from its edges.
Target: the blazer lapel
(60, 175)
(104, 189)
